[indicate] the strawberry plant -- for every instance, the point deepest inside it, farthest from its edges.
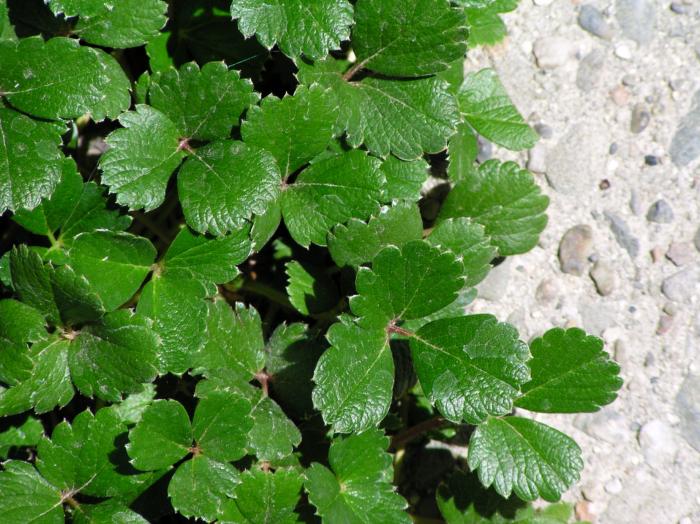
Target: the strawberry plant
(238, 245)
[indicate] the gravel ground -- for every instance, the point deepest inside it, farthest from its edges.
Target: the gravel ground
(614, 89)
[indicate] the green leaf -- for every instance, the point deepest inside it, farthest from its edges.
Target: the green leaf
(48, 386)
(296, 26)
(310, 289)
(61, 79)
(403, 179)
(523, 456)
(467, 240)
(277, 492)
(32, 282)
(506, 201)
(273, 436)
(127, 23)
(462, 151)
(114, 357)
(204, 104)
(357, 242)
(570, 374)
(354, 378)
(27, 497)
(265, 225)
(294, 129)
(234, 342)
(162, 436)
(330, 192)
(30, 158)
(178, 310)
(132, 407)
(24, 435)
(470, 367)
(114, 263)
(224, 184)
(357, 488)
(141, 157)
(485, 28)
(221, 424)
(408, 37)
(209, 260)
(200, 487)
(111, 511)
(75, 297)
(406, 283)
(486, 105)
(20, 325)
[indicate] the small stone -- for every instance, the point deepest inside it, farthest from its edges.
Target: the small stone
(603, 276)
(575, 162)
(583, 513)
(622, 234)
(606, 425)
(658, 443)
(620, 96)
(552, 51)
(613, 148)
(604, 184)
(613, 486)
(651, 160)
(665, 324)
(640, 119)
(660, 212)
(635, 203)
(679, 8)
(680, 253)
(649, 360)
(495, 284)
(680, 286)
(547, 290)
(621, 351)
(623, 51)
(544, 131)
(671, 308)
(629, 80)
(485, 149)
(696, 239)
(574, 249)
(637, 19)
(657, 254)
(688, 410)
(537, 159)
(685, 146)
(590, 70)
(542, 3)
(593, 21)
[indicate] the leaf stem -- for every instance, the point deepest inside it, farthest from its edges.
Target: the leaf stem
(353, 70)
(399, 440)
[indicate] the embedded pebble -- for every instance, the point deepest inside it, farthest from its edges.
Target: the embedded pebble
(590, 70)
(680, 253)
(607, 425)
(552, 51)
(620, 95)
(660, 212)
(494, 286)
(635, 203)
(658, 443)
(688, 410)
(622, 234)
(637, 19)
(546, 291)
(575, 248)
(544, 131)
(613, 486)
(696, 239)
(603, 275)
(576, 161)
(685, 146)
(623, 51)
(593, 21)
(679, 8)
(665, 324)
(537, 159)
(680, 286)
(640, 118)
(651, 160)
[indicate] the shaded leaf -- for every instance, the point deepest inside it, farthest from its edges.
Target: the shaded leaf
(310, 289)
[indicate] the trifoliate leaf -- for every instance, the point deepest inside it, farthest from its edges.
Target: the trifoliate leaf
(162, 436)
(310, 289)
(30, 158)
(354, 378)
(330, 192)
(358, 486)
(114, 357)
(296, 26)
(75, 297)
(406, 283)
(462, 150)
(523, 456)
(403, 117)
(486, 105)
(221, 424)
(470, 367)
(26, 434)
(291, 357)
(506, 201)
(20, 325)
(209, 260)
(570, 374)
(277, 492)
(60, 78)
(204, 104)
(27, 497)
(234, 342)
(178, 310)
(141, 157)
(403, 179)
(273, 435)
(357, 242)
(200, 487)
(467, 240)
(111, 511)
(408, 37)
(223, 184)
(31, 280)
(295, 128)
(84, 456)
(48, 386)
(127, 23)
(115, 264)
